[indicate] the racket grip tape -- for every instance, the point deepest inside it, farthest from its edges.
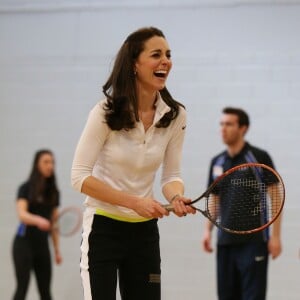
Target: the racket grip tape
(168, 207)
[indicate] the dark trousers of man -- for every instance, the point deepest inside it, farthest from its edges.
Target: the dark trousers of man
(242, 271)
(128, 251)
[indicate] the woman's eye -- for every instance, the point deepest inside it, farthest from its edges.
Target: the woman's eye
(158, 55)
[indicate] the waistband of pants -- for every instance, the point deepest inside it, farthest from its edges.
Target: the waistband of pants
(121, 218)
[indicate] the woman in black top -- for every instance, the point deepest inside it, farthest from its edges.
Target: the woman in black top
(37, 208)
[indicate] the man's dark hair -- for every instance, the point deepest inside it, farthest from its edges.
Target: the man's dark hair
(243, 118)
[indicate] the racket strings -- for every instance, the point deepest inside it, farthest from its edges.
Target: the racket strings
(69, 221)
(251, 198)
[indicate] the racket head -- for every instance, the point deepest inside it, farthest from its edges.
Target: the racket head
(245, 199)
(69, 220)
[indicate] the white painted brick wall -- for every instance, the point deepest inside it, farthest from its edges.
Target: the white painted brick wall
(54, 59)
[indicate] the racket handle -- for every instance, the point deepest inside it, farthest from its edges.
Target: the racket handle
(168, 207)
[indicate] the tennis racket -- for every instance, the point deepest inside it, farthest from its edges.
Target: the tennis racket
(69, 221)
(245, 199)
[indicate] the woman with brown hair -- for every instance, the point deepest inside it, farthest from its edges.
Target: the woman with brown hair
(137, 128)
(37, 208)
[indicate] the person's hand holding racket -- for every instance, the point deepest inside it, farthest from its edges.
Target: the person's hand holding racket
(181, 206)
(42, 223)
(150, 208)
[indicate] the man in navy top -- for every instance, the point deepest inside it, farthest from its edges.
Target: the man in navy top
(242, 260)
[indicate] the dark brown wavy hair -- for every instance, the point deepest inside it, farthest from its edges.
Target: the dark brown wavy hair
(39, 186)
(120, 88)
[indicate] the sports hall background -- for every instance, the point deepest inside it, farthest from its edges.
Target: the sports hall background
(54, 58)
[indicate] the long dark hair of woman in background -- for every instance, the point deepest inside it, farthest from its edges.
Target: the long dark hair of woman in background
(37, 209)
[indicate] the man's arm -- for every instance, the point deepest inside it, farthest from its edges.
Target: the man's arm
(274, 244)
(213, 210)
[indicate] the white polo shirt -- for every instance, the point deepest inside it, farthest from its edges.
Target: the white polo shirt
(128, 160)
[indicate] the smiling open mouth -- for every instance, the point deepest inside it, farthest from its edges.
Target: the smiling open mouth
(160, 74)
